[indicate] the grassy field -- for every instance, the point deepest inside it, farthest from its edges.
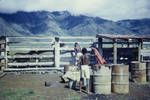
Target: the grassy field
(32, 87)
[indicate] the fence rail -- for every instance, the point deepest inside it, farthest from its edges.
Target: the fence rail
(38, 53)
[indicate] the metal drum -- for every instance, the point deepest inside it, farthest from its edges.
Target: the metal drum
(138, 72)
(148, 71)
(102, 80)
(120, 78)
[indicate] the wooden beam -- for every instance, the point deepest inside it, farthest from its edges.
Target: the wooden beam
(115, 52)
(30, 49)
(139, 50)
(30, 37)
(31, 64)
(124, 37)
(30, 56)
(57, 52)
(32, 69)
(74, 42)
(100, 45)
(77, 37)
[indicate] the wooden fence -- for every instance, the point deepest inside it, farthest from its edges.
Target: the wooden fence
(39, 53)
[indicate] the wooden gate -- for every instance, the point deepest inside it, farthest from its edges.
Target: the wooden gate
(40, 53)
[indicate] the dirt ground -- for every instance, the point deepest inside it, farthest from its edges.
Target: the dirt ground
(32, 87)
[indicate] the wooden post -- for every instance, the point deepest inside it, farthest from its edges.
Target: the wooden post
(2, 52)
(6, 48)
(114, 51)
(57, 52)
(100, 45)
(128, 43)
(139, 50)
(37, 60)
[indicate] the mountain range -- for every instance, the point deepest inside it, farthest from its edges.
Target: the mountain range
(63, 23)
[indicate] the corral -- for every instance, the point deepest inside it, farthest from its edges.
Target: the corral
(34, 60)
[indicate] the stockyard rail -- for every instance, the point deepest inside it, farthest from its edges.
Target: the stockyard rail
(39, 53)
(48, 53)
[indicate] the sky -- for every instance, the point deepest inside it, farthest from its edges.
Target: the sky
(108, 9)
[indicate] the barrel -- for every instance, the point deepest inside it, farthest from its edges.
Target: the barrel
(120, 78)
(102, 80)
(148, 71)
(138, 72)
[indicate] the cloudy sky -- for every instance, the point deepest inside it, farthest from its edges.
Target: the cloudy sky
(109, 9)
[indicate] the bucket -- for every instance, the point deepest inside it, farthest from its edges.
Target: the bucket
(120, 78)
(138, 72)
(148, 71)
(102, 80)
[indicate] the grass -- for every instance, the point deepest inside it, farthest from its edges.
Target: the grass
(29, 94)
(18, 94)
(31, 87)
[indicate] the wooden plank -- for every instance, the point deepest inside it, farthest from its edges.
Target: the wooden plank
(114, 36)
(2, 57)
(31, 56)
(20, 43)
(32, 69)
(2, 41)
(147, 43)
(65, 55)
(31, 37)
(78, 42)
(31, 64)
(57, 53)
(30, 49)
(100, 45)
(2, 74)
(139, 51)
(115, 52)
(78, 37)
(67, 48)
(64, 63)
(71, 49)
(145, 54)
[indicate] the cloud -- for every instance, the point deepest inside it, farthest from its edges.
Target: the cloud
(109, 9)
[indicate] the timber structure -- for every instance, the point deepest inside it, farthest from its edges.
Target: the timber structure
(39, 53)
(124, 48)
(47, 53)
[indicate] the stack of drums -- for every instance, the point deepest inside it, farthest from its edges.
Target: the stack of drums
(102, 80)
(138, 72)
(120, 78)
(148, 71)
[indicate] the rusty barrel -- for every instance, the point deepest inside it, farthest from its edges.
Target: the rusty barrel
(102, 80)
(148, 71)
(120, 78)
(138, 72)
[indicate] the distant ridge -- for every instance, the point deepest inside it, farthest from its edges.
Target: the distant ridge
(43, 23)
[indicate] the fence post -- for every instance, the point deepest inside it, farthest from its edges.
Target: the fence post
(2, 52)
(57, 52)
(100, 45)
(115, 51)
(139, 49)
(6, 48)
